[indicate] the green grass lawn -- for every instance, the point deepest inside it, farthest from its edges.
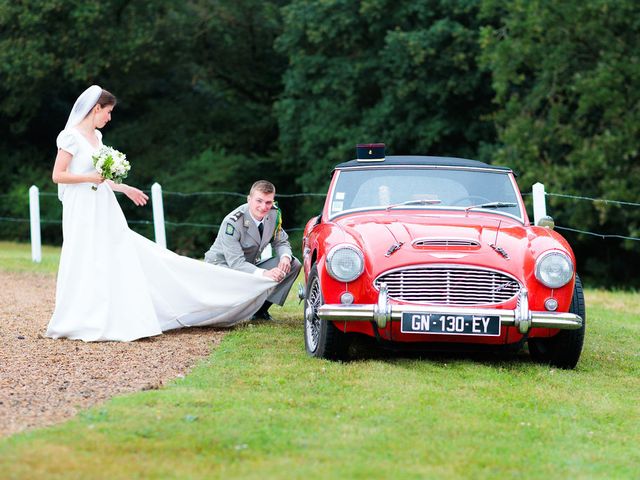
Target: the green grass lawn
(259, 407)
(16, 257)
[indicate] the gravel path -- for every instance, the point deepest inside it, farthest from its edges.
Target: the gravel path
(45, 381)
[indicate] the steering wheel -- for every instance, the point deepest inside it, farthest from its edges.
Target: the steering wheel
(472, 200)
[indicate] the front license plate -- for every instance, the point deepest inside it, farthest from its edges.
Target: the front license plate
(444, 323)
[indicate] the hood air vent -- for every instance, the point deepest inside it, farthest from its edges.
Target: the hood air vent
(444, 242)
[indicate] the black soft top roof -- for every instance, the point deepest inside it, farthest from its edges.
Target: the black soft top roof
(416, 160)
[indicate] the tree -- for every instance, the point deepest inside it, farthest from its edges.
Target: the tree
(567, 81)
(403, 73)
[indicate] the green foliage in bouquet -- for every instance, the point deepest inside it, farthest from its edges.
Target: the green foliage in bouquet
(111, 164)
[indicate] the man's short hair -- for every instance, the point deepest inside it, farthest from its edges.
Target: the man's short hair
(262, 186)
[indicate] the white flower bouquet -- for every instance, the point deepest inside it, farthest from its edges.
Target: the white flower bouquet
(111, 164)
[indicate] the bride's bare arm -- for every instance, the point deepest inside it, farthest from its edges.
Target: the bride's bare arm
(135, 195)
(62, 175)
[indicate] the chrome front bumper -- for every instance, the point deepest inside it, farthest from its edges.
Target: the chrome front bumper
(382, 312)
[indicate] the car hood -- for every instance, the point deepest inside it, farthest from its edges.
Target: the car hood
(485, 240)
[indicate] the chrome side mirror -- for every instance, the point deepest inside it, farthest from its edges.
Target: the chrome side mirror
(547, 222)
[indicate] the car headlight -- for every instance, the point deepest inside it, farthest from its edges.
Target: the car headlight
(554, 269)
(345, 262)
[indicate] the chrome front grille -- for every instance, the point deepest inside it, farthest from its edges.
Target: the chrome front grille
(449, 285)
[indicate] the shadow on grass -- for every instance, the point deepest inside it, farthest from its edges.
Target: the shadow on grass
(364, 348)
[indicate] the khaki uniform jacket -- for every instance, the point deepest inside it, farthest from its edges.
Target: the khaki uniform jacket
(238, 244)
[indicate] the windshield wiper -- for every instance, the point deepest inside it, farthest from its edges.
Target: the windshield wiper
(423, 201)
(491, 205)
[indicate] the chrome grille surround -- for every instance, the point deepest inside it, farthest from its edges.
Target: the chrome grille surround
(444, 242)
(442, 284)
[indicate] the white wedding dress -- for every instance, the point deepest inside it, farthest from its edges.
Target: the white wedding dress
(114, 284)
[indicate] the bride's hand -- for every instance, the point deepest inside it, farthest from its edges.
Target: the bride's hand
(96, 178)
(137, 196)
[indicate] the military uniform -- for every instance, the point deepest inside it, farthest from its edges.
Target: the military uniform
(239, 246)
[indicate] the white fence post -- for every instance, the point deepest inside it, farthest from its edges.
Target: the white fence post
(34, 217)
(158, 214)
(539, 202)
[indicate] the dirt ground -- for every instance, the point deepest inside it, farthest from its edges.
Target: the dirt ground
(45, 381)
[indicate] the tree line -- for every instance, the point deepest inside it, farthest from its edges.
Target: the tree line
(214, 94)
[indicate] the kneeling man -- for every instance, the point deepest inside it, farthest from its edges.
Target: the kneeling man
(246, 232)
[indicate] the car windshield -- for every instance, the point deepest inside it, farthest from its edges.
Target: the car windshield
(424, 188)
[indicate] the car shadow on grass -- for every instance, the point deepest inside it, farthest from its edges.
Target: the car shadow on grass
(366, 348)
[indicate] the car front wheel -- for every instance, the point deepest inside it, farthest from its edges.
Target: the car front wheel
(321, 338)
(563, 350)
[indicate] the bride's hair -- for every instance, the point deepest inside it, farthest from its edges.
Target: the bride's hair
(106, 98)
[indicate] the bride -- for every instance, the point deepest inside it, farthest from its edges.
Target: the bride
(114, 284)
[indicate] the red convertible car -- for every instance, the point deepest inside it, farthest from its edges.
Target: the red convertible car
(437, 252)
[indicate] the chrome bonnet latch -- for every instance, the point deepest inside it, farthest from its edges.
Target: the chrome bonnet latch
(393, 248)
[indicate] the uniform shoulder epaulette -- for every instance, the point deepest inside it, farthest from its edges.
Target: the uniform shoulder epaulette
(231, 220)
(236, 216)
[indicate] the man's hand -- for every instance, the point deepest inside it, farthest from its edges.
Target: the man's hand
(275, 274)
(285, 264)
